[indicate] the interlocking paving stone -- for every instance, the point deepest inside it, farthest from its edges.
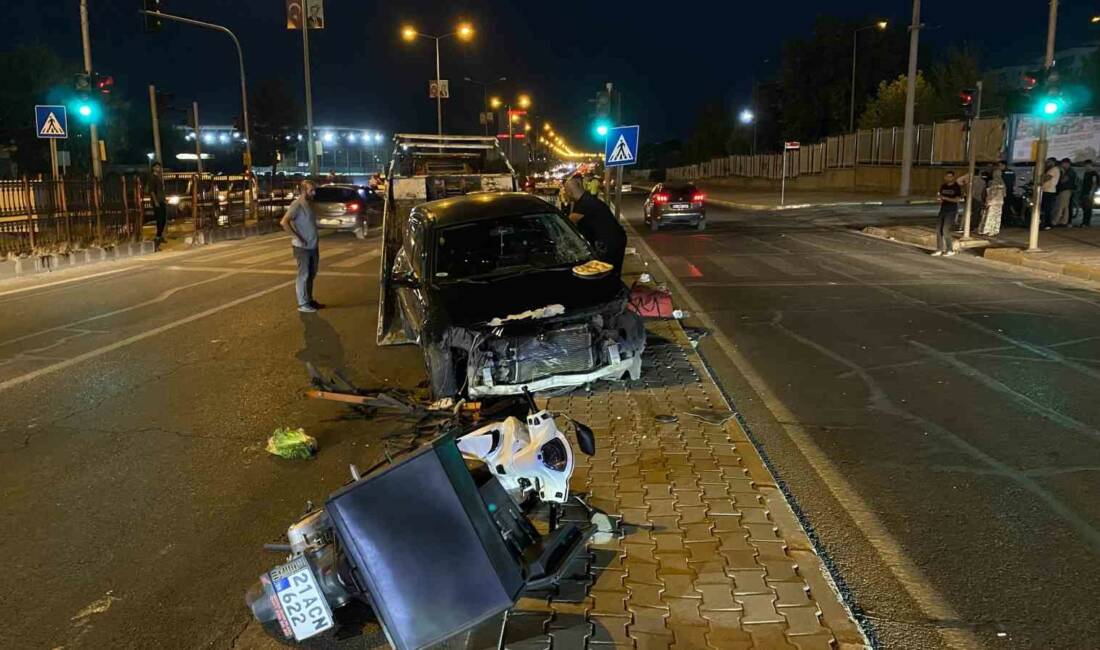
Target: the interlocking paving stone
(697, 561)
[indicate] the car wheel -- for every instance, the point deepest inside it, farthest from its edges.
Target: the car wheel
(701, 224)
(654, 226)
(361, 231)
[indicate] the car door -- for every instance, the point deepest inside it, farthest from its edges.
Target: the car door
(647, 208)
(409, 278)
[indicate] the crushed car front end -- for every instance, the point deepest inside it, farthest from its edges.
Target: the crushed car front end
(567, 351)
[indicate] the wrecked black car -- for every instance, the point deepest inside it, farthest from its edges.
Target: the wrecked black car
(489, 285)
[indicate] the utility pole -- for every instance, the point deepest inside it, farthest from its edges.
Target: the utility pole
(438, 92)
(1041, 149)
(910, 102)
(309, 101)
(156, 124)
(97, 171)
(972, 158)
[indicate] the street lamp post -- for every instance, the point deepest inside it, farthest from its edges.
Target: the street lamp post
(748, 117)
(240, 62)
(485, 93)
(464, 32)
(879, 25)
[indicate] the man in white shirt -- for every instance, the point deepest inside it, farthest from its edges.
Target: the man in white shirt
(1051, 175)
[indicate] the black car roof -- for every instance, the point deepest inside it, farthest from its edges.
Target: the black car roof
(481, 205)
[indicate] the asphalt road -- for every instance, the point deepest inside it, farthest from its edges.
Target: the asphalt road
(935, 420)
(135, 491)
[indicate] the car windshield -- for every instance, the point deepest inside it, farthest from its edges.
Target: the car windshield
(335, 194)
(510, 244)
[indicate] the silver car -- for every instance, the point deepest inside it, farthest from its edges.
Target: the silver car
(346, 208)
(675, 203)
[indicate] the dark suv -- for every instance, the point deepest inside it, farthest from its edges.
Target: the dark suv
(492, 287)
(674, 202)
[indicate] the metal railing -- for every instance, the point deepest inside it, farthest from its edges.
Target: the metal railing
(47, 216)
(936, 144)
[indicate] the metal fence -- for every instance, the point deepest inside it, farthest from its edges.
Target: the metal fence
(934, 144)
(42, 216)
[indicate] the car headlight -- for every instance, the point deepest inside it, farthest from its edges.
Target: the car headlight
(173, 200)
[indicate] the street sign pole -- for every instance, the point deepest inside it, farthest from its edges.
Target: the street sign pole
(309, 102)
(1041, 150)
(53, 159)
(198, 136)
(618, 192)
(783, 180)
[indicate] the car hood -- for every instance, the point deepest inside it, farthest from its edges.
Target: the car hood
(474, 304)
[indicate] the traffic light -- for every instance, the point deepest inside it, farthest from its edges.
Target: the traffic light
(82, 82)
(966, 102)
(104, 83)
(86, 109)
(1051, 103)
(152, 23)
(600, 128)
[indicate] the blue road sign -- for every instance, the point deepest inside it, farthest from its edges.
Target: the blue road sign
(621, 146)
(51, 122)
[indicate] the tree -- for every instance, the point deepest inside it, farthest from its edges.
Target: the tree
(276, 114)
(712, 133)
(816, 75)
(32, 75)
(887, 107)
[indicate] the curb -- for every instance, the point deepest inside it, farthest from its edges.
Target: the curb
(836, 204)
(1017, 257)
(34, 264)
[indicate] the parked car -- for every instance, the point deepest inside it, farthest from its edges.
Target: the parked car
(346, 208)
(489, 285)
(675, 202)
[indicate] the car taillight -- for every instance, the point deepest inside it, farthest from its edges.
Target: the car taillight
(660, 197)
(353, 206)
(698, 197)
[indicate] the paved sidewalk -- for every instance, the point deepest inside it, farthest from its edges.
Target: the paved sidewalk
(761, 199)
(710, 554)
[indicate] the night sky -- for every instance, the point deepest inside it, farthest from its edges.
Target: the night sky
(667, 57)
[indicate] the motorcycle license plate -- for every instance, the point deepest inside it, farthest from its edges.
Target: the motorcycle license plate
(303, 611)
(680, 206)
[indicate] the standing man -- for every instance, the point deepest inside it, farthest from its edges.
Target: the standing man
(950, 196)
(154, 186)
(300, 222)
(598, 225)
(1009, 178)
(1049, 180)
(1089, 181)
(1067, 182)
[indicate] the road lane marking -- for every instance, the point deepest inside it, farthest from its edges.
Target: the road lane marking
(263, 257)
(41, 372)
(160, 298)
(83, 277)
(780, 263)
(230, 269)
(907, 573)
(357, 260)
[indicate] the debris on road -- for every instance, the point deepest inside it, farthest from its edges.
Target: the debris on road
(292, 444)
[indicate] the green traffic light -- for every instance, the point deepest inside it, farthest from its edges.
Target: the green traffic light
(601, 128)
(1051, 106)
(86, 109)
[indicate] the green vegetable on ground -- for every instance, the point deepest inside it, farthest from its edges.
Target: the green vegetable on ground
(292, 444)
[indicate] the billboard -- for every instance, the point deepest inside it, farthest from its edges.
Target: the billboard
(1073, 137)
(298, 11)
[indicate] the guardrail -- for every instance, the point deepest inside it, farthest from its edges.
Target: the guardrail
(45, 216)
(934, 144)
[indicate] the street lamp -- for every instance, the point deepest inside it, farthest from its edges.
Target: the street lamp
(485, 94)
(747, 117)
(463, 32)
(879, 25)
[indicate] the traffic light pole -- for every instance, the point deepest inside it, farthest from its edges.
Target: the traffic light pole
(240, 62)
(1041, 149)
(910, 103)
(97, 170)
(156, 124)
(198, 135)
(972, 159)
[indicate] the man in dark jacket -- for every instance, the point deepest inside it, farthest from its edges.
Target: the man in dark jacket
(1089, 182)
(598, 225)
(154, 187)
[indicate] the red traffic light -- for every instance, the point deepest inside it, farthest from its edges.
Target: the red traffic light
(105, 84)
(966, 97)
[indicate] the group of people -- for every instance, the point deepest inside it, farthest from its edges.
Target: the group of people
(988, 192)
(1067, 191)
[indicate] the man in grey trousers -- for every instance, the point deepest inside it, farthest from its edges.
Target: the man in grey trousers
(301, 223)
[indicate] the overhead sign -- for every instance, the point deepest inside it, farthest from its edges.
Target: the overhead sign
(439, 88)
(305, 11)
(621, 147)
(792, 145)
(51, 122)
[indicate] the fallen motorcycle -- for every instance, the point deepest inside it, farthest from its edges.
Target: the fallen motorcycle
(436, 542)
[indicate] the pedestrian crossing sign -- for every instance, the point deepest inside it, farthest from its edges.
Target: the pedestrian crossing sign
(51, 122)
(621, 147)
